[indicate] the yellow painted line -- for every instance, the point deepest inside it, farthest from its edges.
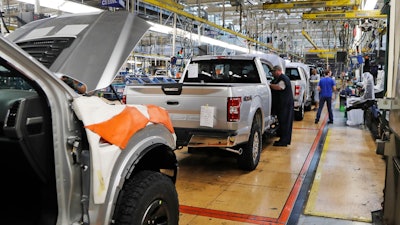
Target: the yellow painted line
(341, 217)
(312, 199)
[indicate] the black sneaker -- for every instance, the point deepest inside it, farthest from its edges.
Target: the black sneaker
(316, 122)
(330, 122)
(277, 143)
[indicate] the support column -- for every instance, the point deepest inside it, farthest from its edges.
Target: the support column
(3, 29)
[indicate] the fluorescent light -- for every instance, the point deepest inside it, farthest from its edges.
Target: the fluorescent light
(215, 42)
(204, 39)
(160, 28)
(65, 6)
(370, 4)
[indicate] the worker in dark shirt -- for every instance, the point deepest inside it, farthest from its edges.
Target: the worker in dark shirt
(283, 105)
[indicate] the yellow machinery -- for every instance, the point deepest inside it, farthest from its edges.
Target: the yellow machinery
(322, 53)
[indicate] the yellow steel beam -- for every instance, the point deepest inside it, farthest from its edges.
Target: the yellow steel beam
(191, 16)
(310, 4)
(169, 3)
(326, 55)
(322, 50)
(322, 53)
(305, 34)
(338, 15)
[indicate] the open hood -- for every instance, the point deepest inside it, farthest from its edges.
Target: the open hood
(90, 48)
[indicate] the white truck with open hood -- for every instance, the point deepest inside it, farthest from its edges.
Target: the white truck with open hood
(71, 158)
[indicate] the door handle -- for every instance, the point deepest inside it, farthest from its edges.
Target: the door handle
(172, 103)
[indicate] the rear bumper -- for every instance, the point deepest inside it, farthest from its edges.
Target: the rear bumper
(297, 105)
(205, 137)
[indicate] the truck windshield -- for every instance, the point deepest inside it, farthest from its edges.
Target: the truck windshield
(8, 80)
(222, 71)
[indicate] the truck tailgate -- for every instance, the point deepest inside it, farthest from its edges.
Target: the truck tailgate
(184, 108)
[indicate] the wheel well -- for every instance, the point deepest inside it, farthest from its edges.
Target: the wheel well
(159, 158)
(258, 118)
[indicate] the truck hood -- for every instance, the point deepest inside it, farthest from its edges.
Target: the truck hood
(89, 47)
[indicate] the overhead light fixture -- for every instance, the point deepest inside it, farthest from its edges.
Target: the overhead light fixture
(203, 39)
(215, 42)
(370, 4)
(63, 5)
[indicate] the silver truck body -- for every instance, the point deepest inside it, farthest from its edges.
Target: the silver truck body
(185, 110)
(299, 78)
(199, 104)
(59, 171)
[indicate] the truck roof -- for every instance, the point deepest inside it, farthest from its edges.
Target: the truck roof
(274, 59)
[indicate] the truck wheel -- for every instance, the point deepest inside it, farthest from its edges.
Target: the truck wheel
(147, 198)
(250, 157)
(299, 115)
(308, 106)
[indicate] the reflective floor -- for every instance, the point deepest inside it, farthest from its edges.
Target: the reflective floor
(330, 174)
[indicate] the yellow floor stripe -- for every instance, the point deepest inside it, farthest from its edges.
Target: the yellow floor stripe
(312, 198)
(317, 179)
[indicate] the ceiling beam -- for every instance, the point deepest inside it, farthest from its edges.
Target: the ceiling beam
(199, 19)
(340, 15)
(305, 34)
(310, 4)
(201, 2)
(172, 4)
(232, 9)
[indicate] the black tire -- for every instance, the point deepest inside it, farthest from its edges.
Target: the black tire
(299, 115)
(308, 106)
(147, 198)
(250, 157)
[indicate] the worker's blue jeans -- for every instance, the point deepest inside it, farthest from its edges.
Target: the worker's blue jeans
(322, 101)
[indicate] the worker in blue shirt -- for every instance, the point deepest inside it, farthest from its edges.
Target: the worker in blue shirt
(326, 87)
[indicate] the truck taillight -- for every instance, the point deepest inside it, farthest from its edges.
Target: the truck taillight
(123, 99)
(234, 109)
(297, 90)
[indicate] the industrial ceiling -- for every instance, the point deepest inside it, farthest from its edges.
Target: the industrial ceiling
(293, 28)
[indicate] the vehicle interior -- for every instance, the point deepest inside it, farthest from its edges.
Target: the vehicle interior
(293, 73)
(223, 71)
(30, 195)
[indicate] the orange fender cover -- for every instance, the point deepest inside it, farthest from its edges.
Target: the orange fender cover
(120, 128)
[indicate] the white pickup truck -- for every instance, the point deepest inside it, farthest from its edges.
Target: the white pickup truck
(299, 75)
(220, 101)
